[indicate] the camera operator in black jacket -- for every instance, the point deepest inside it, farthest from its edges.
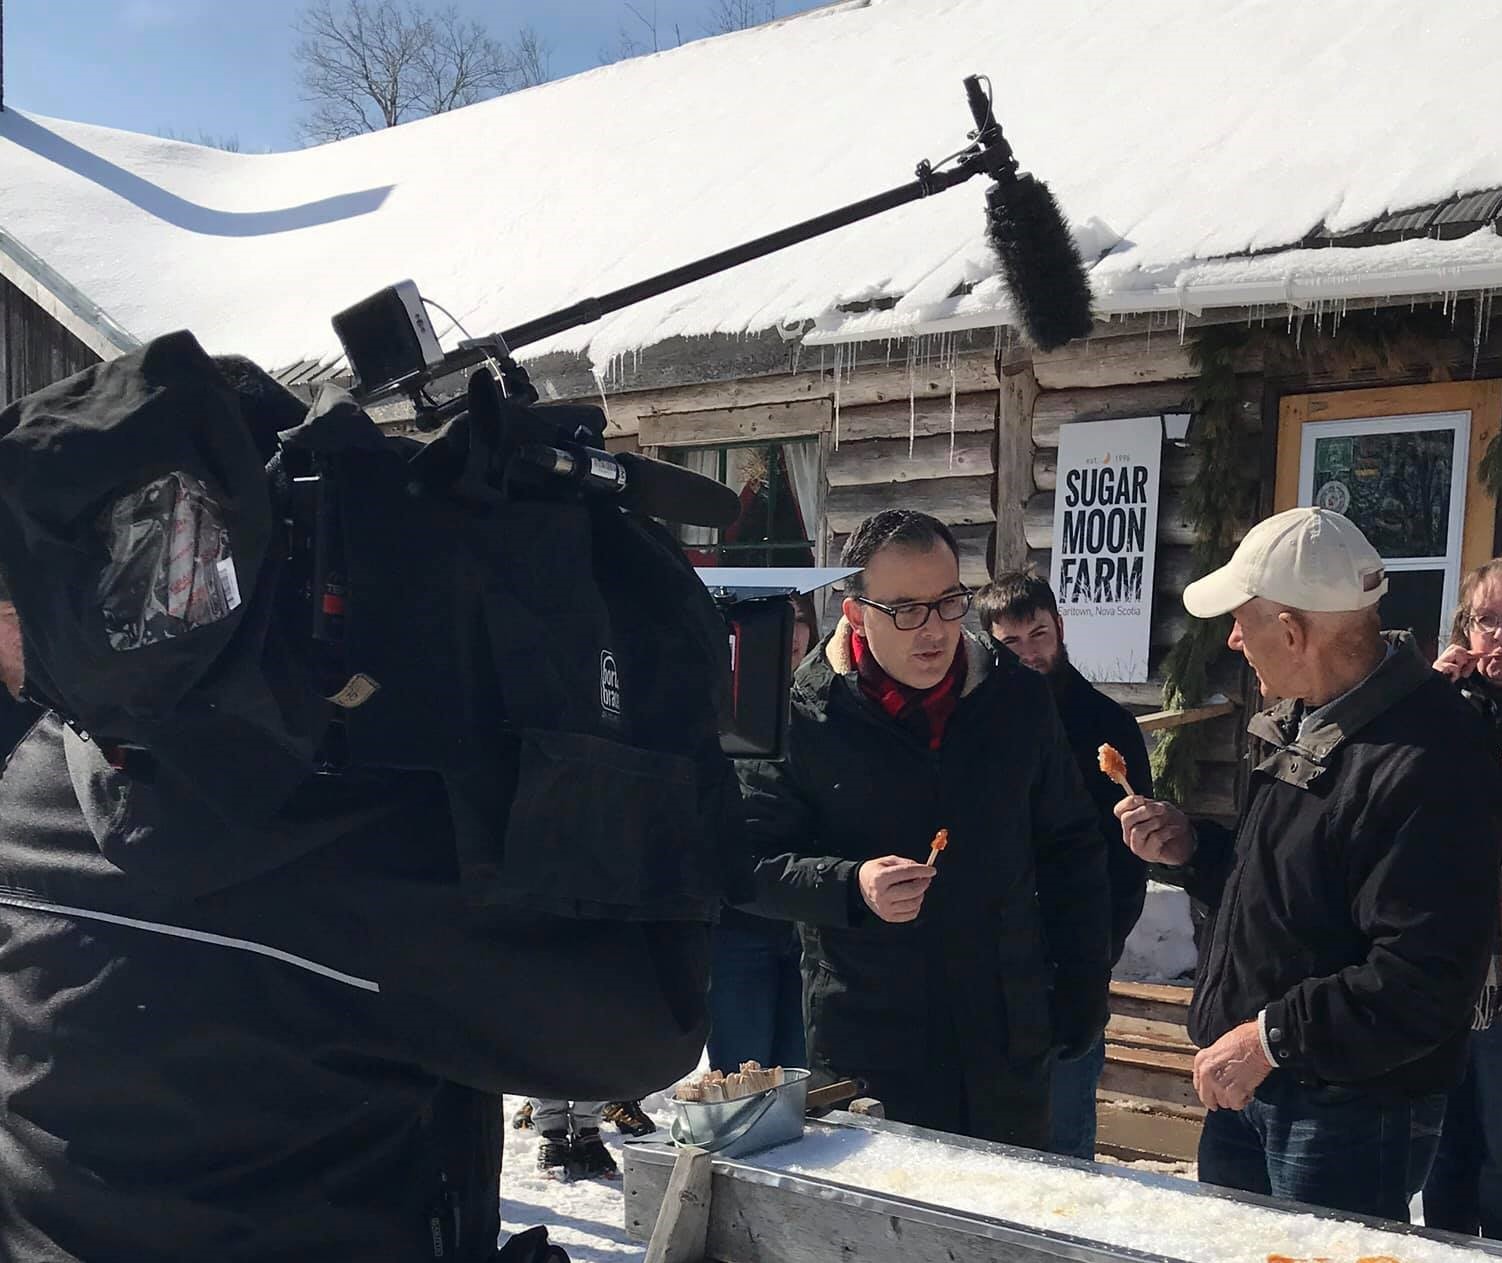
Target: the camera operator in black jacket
(1356, 906)
(951, 988)
(248, 1010)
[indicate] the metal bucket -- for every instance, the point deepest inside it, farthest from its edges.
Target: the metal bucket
(747, 1124)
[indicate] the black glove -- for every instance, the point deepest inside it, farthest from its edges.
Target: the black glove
(531, 1246)
(1079, 1011)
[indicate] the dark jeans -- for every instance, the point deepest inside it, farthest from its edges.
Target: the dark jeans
(755, 998)
(1464, 1190)
(1072, 1128)
(1332, 1147)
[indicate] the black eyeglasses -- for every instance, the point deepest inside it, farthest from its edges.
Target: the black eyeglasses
(912, 615)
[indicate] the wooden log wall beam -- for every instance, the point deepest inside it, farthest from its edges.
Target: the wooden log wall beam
(957, 501)
(973, 542)
(869, 384)
(1061, 407)
(1096, 362)
(1014, 474)
(967, 454)
(973, 413)
(765, 422)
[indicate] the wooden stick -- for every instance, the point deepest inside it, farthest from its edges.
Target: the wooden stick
(683, 1220)
(941, 840)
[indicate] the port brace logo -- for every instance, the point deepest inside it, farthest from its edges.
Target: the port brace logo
(610, 686)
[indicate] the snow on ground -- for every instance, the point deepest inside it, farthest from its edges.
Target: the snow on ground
(1169, 132)
(1161, 947)
(586, 1217)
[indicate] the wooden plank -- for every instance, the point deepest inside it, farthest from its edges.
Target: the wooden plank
(972, 413)
(683, 1220)
(765, 422)
(957, 501)
(1096, 362)
(1014, 480)
(1160, 720)
(1173, 528)
(1180, 465)
(1130, 1133)
(974, 541)
(1056, 408)
(874, 385)
(1164, 1001)
(1170, 1033)
(1150, 1084)
(1139, 399)
(890, 460)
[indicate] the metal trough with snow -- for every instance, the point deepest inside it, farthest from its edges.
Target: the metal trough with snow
(857, 1188)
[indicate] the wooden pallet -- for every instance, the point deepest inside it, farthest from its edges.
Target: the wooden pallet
(1146, 1105)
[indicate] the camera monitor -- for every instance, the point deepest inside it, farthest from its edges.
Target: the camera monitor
(759, 638)
(388, 338)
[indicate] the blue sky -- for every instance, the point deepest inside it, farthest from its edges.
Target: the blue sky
(224, 67)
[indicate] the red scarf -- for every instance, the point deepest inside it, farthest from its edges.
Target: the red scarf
(925, 711)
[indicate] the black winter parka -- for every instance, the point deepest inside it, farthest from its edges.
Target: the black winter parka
(1009, 956)
(1357, 902)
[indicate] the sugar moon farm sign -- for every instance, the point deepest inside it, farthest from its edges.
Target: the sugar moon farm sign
(1105, 534)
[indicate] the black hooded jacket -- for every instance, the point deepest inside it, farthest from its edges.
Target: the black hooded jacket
(250, 1012)
(1357, 901)
(1010, 955)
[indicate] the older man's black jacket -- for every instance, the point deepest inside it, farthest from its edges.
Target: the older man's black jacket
(1357, 903)
(1019, 906)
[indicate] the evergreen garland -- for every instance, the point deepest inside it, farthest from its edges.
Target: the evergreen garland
(1221, 494)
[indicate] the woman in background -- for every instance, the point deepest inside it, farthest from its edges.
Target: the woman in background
(1464, 1189)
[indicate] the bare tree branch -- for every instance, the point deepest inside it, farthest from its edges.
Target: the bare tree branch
(230, 143)
(368, 64)
(629, 43)
(532, 57)
(739, 15)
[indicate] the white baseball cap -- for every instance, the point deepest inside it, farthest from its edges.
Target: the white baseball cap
(1306, 559)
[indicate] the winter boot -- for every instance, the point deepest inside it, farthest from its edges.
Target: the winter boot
(590, 1159)
(554, 1154)
(522, 1119)
(628, 1118)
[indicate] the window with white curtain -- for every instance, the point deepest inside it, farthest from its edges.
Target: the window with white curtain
(779, 486)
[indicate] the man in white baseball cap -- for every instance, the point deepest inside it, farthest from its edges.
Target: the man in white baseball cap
(1356, 902)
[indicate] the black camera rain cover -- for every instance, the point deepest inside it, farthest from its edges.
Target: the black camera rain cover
(135, 533)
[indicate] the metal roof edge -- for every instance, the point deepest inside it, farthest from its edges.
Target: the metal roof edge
(63, 301)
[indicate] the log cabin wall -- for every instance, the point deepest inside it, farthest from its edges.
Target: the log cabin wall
(1103, 379)
(891, 456)
(889, 434)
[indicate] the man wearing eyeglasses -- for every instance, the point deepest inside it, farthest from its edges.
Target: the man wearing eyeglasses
(948, 988)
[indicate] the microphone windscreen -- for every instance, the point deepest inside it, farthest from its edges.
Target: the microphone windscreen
(675, 494)
(1039, 260)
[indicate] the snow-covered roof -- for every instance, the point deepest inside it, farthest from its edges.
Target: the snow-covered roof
(1171, 133)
